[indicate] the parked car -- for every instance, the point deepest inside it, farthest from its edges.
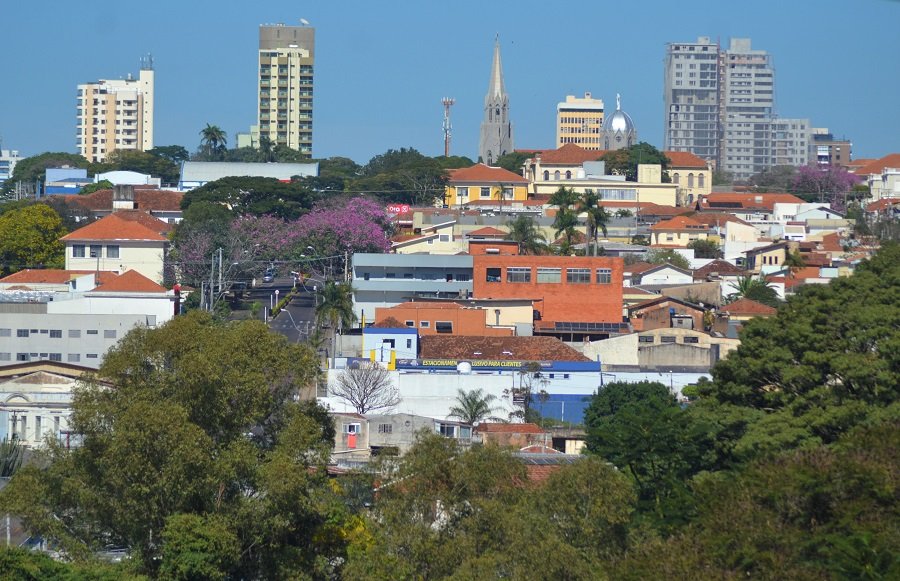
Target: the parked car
(269, 276)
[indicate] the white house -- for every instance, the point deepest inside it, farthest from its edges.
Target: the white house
(124, 240)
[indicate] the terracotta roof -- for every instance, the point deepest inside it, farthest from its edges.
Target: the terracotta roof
(877, 166)
(738, 201)
(505, 428)
(569, 154)
(487, 231)
(685, 159)
(54, 276)
(123, 225)
(662, 299)
(816, 259)
(130, 282)
(679, 223)
(716, 218)
(426, 305)
(638, 267)
(481, 173)
(538, 449)
(749, 307)
(805, 272)
(540, 473)
(718, 266)
(502, 348)
(882, 204)
(147, 199)
(832, 242)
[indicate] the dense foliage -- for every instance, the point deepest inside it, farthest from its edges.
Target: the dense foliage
(30, 238)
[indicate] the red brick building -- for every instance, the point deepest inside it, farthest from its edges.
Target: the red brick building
(575, 297)
(432, 318)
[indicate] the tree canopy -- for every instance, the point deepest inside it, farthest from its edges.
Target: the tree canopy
(29, 238)
(34, 168)
(625, 161)
(253, 195)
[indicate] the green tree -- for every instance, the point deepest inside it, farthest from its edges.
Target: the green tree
(34, 169)
(202, 421)
(524, 231)
(625, 161)
(756, 289)
(30, 238)
(667, 255)
(257, 196)
(174, 153)
(597, 217)
(705, 248)
(527, 393)
(513, 161)
(403, 175)
(141, 162)
(213, 141)
(566, 220)
(474, 406)
(96, 186)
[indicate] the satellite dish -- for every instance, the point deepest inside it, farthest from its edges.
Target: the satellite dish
(464, 367)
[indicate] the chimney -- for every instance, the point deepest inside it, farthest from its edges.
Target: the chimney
(123, 197)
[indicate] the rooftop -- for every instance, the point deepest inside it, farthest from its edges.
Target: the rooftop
(123, 225)
(53, 276)
(749, 307)
(131, 281)
(481, 173)
(500, 348)
(506, 428)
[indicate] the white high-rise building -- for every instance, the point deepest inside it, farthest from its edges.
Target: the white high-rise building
(116, 114)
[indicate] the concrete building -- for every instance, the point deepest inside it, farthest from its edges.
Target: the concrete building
(825, 149)
(197, 173)
(285, 87)
(8, 160)
(720, 105)
(116, 114)
(496, 129)
(386, 280)
(579, 120)
(661, 349)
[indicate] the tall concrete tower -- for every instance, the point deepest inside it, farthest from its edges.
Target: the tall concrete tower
(496, 129)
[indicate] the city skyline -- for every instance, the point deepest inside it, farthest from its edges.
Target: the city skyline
(380, 76)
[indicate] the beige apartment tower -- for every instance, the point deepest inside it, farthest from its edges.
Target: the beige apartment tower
(285, 108)
(579, 121)
(116, 114)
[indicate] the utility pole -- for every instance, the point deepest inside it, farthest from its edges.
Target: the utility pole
(212, 280)
(448, 129)
(346, 266)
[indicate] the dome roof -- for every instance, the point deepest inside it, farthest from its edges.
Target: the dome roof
(619, 120)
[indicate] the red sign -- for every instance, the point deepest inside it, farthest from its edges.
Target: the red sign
(398, 208)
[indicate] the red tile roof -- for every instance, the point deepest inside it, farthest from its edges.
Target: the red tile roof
(480, 173)
(502, 348)
(679, 223)
(832, 242)
(749, 307)
(716, 218)
(721, 267)
(679, 159)
(882, 204)
(505, 428)
(123, 225)
(877, 166)
(54, 276)
(130, 282)
(569, 154)
(737, 201)
(638, 267)
(147, 199)
(488, 231)
(426, 305)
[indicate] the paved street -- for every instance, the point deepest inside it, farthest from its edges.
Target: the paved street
(296, 321)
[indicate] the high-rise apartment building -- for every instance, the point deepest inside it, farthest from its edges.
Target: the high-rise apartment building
(285, 105)
(720, 105)
(496, 129)
(825, 149)
(579, 121)
(116, 114)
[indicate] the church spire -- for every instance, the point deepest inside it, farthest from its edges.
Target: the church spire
(496, 129)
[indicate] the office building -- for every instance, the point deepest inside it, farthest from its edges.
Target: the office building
(8, 160)
(116, 114)
(496, 129)
(579, 121)
(285, 104)
(825, 149)
(720, 105)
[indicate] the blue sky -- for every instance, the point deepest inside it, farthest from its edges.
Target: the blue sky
(382, 67)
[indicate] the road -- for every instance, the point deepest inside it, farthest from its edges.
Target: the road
(296, 320)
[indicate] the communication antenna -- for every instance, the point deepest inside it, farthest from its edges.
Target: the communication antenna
(448, 129)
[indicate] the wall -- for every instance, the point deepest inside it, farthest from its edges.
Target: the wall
(658, 316)
(144, 257)
(563, 301)
(464, 321)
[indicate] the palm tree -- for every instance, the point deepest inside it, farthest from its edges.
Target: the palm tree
(566, 219)
(335, 309)
(266, 148)
(474, 406)
(755, 289)
(523, 230)
(597, 217)
(212, 141)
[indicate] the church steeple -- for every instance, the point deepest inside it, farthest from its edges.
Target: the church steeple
(496, 129)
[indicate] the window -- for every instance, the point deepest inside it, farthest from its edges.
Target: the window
(645, 339)
(109, 334)
(604, 275)
(448, 430)
(351, 428)
(443, 326)
(112, 251)
(74, 357)
(92, 332)
(492, 275)
(21, 332)
(549, 274)
(508, 193)
(385, 428)
(22, 357)
(410, 323)
(485, 192)
(701, 179)
(690, 180)
(556, 175)
(518, 274)
(578, 275)
(56, 357)
(56, 333)
(91, 355)
(443, 238)
(667, 339)
(424, 324)
(74, 333)
(5, 356)
(462, 192)
(96, 251)
(5, 332)
(691, 340)
(546, 175)
(78, 251)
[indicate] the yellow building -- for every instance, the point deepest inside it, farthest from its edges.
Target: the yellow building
(678, 232)
(579, 121)
(285, 85)
(116, 114)
(691, 174)
(481, 183)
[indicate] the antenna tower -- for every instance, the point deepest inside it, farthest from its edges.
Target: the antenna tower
(448, 129)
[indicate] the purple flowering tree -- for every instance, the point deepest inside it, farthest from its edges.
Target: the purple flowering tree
(354, 225)
(828, 184)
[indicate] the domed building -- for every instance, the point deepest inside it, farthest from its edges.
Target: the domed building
(618, 129)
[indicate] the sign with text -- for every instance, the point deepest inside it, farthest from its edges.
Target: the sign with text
(398, 208)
